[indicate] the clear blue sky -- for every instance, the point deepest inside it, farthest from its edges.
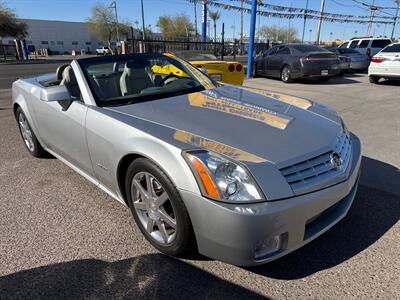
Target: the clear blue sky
(79, 10)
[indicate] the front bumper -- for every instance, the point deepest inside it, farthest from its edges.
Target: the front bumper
(230, 232)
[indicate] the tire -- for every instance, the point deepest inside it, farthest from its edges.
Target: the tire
(255, 71)
(374, 79)
(175, 242)
(286, 74)
(28, 136)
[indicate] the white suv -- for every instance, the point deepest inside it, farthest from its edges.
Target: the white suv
(369, 46)
(103, 51)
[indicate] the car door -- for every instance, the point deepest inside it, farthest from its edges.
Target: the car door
(276, 61)
(62, 128)
(263, 65)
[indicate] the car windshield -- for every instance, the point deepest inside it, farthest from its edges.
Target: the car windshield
(188, 55)
(392, 48)
(126, 79)
(308, 48)
(347, 51)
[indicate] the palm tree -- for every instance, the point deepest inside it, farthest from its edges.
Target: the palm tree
(215, 17)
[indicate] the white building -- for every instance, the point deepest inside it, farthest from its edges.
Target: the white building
(58, 36)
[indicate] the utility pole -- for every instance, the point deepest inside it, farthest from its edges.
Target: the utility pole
(373, 9)
(195, 18)
(114, 5)
(395, 18)
(320, 21)
(305, 21)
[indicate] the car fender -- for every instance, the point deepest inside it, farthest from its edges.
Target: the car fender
(110, 141)
(20, 92)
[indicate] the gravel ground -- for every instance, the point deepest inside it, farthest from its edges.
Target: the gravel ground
(60, 237)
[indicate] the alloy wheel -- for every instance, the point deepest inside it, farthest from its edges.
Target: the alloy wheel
(154, 208)
(26, 132)
(285, 74)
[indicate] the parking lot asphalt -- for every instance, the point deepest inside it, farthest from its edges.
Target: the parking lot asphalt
(61, 237)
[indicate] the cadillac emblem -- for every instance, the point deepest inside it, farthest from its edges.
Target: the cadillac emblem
(336, 160)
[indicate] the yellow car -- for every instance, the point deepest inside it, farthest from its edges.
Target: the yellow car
(222, 71)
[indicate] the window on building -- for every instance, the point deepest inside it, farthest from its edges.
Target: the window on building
(44, 42)
(75, 43)
(11, 42)
(52, 43)
(88, 43)
(60, 43)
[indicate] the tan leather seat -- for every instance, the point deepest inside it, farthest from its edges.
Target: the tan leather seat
(59, 72)
(134, 78)
(69, 80)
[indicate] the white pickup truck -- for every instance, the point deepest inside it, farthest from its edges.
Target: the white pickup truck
(103, 51)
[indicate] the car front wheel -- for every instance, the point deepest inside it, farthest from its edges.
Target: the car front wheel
(29, 138)
(158, 208)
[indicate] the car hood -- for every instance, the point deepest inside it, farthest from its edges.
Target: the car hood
(249, 125)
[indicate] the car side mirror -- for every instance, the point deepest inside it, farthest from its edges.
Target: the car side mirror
(55, 93)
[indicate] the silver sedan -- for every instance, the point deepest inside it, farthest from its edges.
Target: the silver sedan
(240, 175)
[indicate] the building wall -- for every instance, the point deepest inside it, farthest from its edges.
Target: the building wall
(60, 36)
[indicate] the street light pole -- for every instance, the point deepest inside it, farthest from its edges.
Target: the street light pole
(304, 23)
(395, 18)
(195, 18)
(250, 55)
(114, 5)
(143, 27)
(320, 21)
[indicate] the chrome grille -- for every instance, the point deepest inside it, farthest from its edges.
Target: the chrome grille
(320, 168)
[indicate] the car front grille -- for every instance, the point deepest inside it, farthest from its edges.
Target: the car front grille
(321, 168)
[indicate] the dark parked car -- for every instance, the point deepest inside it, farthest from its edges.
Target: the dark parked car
(359, 61)
(292, 61)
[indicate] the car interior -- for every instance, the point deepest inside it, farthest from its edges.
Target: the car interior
(115, 80)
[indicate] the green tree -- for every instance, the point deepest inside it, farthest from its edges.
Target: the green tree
(178, 26)
(215, 17)
(277, 33)
(103, 25)
(9, 25)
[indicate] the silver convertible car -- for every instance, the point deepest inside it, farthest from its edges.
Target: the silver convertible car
(238, 174)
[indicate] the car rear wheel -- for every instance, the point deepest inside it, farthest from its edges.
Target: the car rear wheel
(374, 79)
(255, 71)
(286, 74)
(158, 208)
(29, 138)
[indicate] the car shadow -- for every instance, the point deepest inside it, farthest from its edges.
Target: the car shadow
(389, 82)
(153, 276)
(332, 81)
(375, 210)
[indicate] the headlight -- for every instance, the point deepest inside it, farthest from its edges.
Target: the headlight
(222, 179)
